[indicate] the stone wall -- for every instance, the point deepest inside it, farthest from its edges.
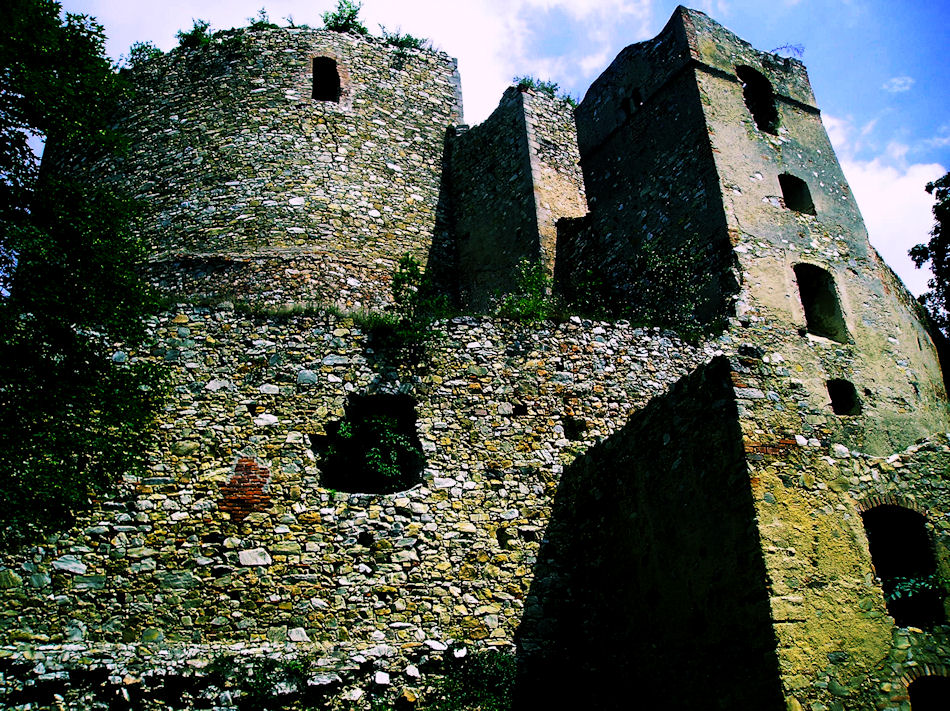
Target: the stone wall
(509, 180)
(229, 541)
(837, 645)
(652, 583)
(493, 217)
(575, 506)
(555, 167)
(886, 353)
(655, 241)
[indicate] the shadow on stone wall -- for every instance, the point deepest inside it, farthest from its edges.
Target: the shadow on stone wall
(650, 586)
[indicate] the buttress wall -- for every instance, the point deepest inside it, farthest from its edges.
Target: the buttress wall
(508, 181)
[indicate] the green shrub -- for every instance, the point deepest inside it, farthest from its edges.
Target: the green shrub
(404, 41)
(345, 18)
(140, 53)
(484, 680)
(197, 36)
(551, 88)
(261, 22)
(532, 299)
(293, 25)
(409, 330)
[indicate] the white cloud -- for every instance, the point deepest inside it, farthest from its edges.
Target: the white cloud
(890, 193)
(897, 85)
(492, 39)
(942, 139)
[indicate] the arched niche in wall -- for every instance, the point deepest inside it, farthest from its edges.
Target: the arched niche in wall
(374, 448)
(759, 98)
(819, 298)
(904, 561)
(796, 194)
(327, 84)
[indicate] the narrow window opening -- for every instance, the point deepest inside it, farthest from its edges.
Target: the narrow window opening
(631, 102)
(844, 398)
(929, 693)
(326, 79)
(816, 287)
(759, 98)
(374, 449)
(904, 561)
(574, 428)
(796, 194)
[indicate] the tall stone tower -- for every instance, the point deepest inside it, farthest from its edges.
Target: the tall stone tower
(704, 155)
(743, 504)
(290, 164)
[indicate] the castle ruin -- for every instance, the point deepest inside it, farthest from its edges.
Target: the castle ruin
(730, 522)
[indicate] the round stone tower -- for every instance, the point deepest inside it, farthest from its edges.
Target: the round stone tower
(289, 164)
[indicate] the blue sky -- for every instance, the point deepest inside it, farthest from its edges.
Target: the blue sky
(880, 69)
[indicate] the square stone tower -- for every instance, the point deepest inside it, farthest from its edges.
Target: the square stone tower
(713, 185)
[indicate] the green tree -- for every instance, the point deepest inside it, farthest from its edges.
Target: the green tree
(937, 253)
(73, 409)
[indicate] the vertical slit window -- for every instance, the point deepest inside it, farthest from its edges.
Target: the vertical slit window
(326, 79)
(759, 98)
(823, 316)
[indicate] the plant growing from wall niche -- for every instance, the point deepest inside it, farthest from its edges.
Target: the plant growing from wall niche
(374, 449)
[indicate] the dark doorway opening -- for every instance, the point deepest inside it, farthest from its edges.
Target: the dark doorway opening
(326, 79)
(904, 560)
(930, 693)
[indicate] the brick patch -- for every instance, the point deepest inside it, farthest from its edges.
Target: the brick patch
(244, 492)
